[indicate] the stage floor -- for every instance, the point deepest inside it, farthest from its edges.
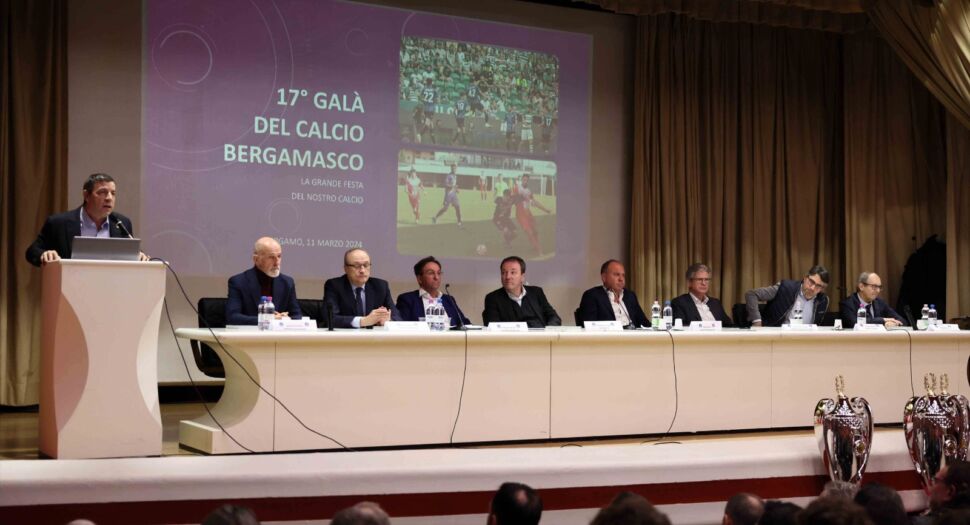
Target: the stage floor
(690, 477)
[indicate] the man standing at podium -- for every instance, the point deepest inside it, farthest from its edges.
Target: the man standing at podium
(263, 279)
(95, 218)
(357, 299)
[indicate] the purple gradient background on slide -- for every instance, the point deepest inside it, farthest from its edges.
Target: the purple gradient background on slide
(211, 67)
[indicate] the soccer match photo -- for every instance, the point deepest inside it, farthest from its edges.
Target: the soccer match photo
(459, 94)
(480, 206)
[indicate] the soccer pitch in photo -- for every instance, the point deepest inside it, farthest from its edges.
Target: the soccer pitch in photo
(478, 237)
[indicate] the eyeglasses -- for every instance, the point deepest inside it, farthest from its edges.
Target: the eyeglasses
(701, 279)
(358, 267)
(815, 284)
(876, 287)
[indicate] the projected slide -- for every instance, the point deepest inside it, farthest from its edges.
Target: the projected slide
(330, 125)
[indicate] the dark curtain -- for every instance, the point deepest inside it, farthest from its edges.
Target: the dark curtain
(33, 174)
(737, 154)
(764, 150)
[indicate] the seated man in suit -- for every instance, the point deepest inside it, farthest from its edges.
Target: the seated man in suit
(264, 278)
(94, 218)
(877, 310)
(516, 301)
(786, 297)
(612, 301)
(412, 304)
(357, 299)
(696, 305)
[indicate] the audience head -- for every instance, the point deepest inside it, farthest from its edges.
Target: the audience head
(428, 273)
(743, 509)
(357, 266)
(951, 482)
(841, 489)
(815, 282)
(882, 504)
(515, 504)
(100, 192)
(613, 275)
(363, 513)
(953, 517)
(869, 286)
(630, 509)
(780, 513)
(267, 256)
(833, 510)
(513, 274)
(698, 280)
(231, 515)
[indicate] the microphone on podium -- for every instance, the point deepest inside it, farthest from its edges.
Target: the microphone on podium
(120, 225)
(461, 324)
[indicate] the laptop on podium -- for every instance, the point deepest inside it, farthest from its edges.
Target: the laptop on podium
(106, 248)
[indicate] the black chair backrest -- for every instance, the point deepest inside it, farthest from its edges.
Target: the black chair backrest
(739, 312)
(315, 309)
(212, 314)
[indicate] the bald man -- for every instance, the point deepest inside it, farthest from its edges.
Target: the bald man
(264, 278)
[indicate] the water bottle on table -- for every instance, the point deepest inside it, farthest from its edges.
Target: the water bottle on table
(655, 315)
(668, 316)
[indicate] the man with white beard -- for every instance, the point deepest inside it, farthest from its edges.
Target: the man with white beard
(263, 279)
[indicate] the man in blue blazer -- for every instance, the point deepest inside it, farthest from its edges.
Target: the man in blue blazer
(412, 304)
(357, 299)
(696, 305)
(877, 310)
(264, 278)
(95, 218)
(612, 301)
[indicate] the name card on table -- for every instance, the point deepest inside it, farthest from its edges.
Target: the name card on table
(293, 325)
(407, 326)
(603, 326)
(944, 328)
(705, 325)
(869, 327)
(508, 327)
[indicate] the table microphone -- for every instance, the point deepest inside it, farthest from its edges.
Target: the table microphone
(909, 315)
(329, 317)
(461, 324)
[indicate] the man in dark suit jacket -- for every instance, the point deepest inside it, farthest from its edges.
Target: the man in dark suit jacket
(696, 305)
(412, 304)
(264, 278)
(602, 303)
(783, 297)
(359, 300)
(516, 302)
(877, 310)
(95, 218)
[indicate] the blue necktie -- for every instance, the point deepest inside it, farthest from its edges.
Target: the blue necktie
(360, 302)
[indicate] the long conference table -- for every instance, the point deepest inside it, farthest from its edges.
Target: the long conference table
(374, 388)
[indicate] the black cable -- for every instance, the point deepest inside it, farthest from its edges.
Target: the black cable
(461, 393)
(673, 358)
(251, 378)
(911, 386)
(194, 385)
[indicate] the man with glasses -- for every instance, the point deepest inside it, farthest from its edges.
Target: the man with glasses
(357, 299)
(877, 310)
(787, 297)
(412, 304)
(696, 305)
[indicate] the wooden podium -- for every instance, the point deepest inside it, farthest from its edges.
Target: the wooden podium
(99, 360)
